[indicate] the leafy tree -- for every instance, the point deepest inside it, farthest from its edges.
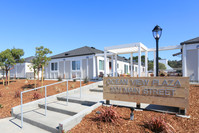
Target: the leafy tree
(42, 59)
(161, 66)
(34, 67)
(175, 63)
(9, 58)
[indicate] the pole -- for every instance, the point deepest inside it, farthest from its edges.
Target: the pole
(157, 62)
(67, 92)
(45, 100)
(21, 110)
(80, 88)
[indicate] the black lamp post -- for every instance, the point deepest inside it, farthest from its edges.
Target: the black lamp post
(157, 32)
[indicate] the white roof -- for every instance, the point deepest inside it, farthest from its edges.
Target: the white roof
(126, 48)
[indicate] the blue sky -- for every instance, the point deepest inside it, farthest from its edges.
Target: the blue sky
(63, 25)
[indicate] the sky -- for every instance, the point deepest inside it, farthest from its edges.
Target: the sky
(63, 25)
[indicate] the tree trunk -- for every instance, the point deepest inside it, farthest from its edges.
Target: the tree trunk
(6, 77)
(35, 78)
(9, 77)
(38, 76)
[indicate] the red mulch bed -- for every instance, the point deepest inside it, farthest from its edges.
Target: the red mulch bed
(181, 125)
(7, 93)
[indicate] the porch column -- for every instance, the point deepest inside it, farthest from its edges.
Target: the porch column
(94, 67)
(154, 65)
(146, 63)
(105, 63)
(139, 61)
(87, 66)
(198, 65)
(112, 66)
(64, 69)
(184, 61)
(115, 65)
(131, 64)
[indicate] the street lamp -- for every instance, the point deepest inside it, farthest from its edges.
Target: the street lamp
(157, 32)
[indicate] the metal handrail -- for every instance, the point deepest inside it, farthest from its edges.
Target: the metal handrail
(46, 96)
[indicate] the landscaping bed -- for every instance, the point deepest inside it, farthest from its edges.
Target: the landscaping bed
(10, 95)
(124, 124)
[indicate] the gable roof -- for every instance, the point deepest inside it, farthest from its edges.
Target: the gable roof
(28, 59)
(83, 51)
(191, 41)
(78, 52)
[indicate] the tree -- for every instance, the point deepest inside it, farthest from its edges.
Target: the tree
(161, 66)
(175, 63)
(34, 67)
(9, 58)
(42, 59)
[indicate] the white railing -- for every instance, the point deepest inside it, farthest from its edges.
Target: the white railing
(46, 95)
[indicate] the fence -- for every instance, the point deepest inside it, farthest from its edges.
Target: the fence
(46, 96)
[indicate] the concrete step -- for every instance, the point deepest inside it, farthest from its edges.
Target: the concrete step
(62, 107)
(75, 100)
(100, 86)
(96, 90)
(37, 118)
(12, 125)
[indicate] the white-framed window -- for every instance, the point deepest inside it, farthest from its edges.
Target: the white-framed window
(135, 69)
(54, 66)
(75, 65)
(125, 68)
(118, 65)
(101, 64)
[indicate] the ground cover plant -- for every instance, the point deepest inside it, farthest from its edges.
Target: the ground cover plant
(11, 93)
(145, 121)
(17, 94)
(108, 114)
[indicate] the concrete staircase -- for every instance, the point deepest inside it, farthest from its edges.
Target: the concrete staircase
(57, 110)
(98, 89)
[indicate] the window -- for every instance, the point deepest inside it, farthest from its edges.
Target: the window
(125, 68)
(54, 66)
(101, 65)
(75, 65)
(117, 65)
(135, 69)
(143, 69)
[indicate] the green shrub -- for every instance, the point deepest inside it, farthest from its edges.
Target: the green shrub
(59, 78)
(1, 106)
(86, 80)
(74, 80)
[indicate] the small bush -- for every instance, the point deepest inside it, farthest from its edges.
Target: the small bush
(108, 114)
(17, 94)
(74, 80)
(36, 95)
(73, 86)
(158, 125)
(59, 78)
(1, 106)
(86, 80)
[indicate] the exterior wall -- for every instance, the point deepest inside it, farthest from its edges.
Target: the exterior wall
(90, 68)
(192, 64)
(18, 70)
(65, 66)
